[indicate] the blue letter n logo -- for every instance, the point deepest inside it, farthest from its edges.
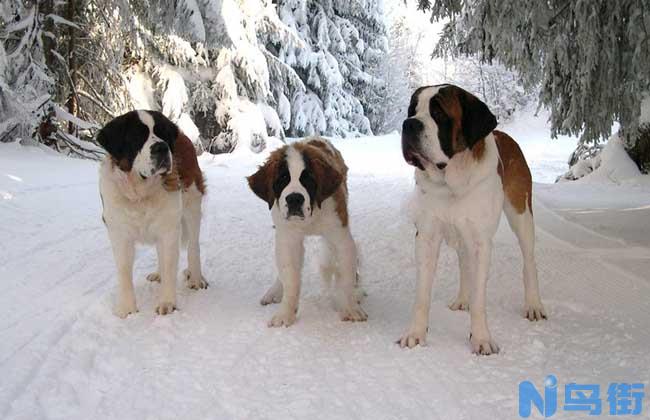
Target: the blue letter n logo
(528, 396)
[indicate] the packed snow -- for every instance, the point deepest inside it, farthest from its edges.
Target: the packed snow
(64, 355)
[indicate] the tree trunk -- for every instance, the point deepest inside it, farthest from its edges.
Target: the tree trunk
(46, 7)
(73, 100)
(640, 149)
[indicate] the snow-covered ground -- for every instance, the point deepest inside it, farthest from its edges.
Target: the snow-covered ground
(63, 355)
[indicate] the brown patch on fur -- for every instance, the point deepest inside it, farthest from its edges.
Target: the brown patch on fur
(514, 172)
(449, 101)
(261, 182)
(471, 119)
(478, 150)
(171, 181)
(186, 167)
(341, 199)
(122, 164)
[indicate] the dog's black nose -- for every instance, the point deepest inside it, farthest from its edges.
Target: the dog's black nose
(295, 201)
(441, 165)
(159, 148)
(412, 126)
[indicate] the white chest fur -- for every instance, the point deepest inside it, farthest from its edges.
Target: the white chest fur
(138, 209)
(467, 195)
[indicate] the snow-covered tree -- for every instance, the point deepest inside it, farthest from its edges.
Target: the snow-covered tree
(230, 73)
(591, 58)
(402, 73)
(25, 80)
(494, 84)
(339, 45)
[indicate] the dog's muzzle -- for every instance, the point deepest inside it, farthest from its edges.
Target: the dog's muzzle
(160, 155)
(411, 129)
(295, 202)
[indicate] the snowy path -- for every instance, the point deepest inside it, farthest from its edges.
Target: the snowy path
(63, 355)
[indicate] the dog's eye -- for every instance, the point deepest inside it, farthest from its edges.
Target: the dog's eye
(283, 177)
(307, 180)
(437, 113)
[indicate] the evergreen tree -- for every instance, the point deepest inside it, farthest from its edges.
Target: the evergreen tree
(230, 73)
(339, 44)
(402, 74)
(591, 58)
(25, 80)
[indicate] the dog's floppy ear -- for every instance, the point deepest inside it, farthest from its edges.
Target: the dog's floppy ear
(478, 121)
(261, 182)
(328, 178)
(122, 138)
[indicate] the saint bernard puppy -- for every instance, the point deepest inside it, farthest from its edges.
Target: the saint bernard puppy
(304, 184)
(467, 175)
(151, 189)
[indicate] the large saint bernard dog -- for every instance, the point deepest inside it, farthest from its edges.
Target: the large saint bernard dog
(304, 184)
(151, 188)
(467, 175)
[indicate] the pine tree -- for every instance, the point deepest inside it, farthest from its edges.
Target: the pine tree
(231, 73)
(401, 71)
(591, 58)
(25, 80)
(339, 43)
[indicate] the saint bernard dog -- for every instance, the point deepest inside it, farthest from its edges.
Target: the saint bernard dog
(467, 174)
(151, 189)
(304, 184)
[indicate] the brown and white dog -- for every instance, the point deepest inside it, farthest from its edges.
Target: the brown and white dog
(467, 175)
(151, 188)
(304, 184)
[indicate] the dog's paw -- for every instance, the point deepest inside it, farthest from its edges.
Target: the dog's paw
(483, 345)
(283, 319)
(273, 295)
(413, 337)
(124, 309)
(534, 311)
(459, 304)
(194, 282)
(354, 313)
(165, 308)
(270, 298)
(153, 277)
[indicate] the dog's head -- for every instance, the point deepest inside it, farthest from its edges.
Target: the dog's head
(140, 141)
(443, 120)
(296, 178)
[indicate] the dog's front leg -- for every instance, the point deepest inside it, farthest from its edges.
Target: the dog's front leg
(289, 253)
(168, 251)
(480, 249)
(346, 256)
(124, 253)
(427, 248)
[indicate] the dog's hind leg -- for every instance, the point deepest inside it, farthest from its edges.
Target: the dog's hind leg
(523, 225)
(465, 267)
(155, 276)
(344, 250)
(191, 226)
(330, 273)
(327, 265)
